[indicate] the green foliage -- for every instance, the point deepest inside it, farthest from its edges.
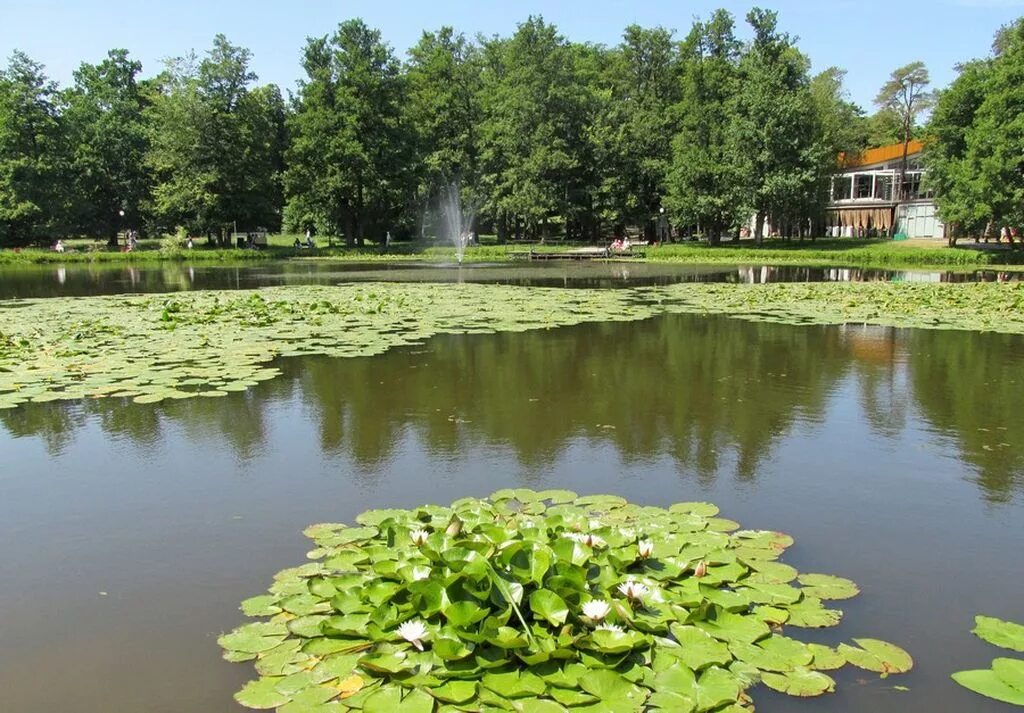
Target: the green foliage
(533, 146)
(533, 601)
(105, 125)
(33, 198)
(775, 131)
(1004, 681)
(216, 144)
(444, 109)
(706, 181)
(350, 161)
(975, 156)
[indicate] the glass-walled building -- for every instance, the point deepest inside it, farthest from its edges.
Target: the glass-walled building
(863, 198)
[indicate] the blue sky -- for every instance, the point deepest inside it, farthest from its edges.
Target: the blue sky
(863, 37)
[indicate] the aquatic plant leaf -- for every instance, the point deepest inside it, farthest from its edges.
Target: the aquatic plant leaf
(262, 694)
(536, 705)
(264, 605)
(826, 658)
(811, 614)
(1010, 671)
(828, 587)
(458, 692)
(514, 684)
(697, 649)
(987, 683)
(879, 656)
(1004, 634)
(550, 606)
(800, 682)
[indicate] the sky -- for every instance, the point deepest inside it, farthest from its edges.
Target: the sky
(868, 38)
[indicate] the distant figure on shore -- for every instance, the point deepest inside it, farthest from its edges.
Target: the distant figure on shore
(59, 247)
(188, 243)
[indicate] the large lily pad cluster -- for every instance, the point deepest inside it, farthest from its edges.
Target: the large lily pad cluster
(152, 348)
(1004, 679)
(540, 602)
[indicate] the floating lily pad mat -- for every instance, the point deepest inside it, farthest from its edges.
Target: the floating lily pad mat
(544, 601)
(211, 343)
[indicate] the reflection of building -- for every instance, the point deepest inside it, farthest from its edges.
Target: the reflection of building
(863, 198)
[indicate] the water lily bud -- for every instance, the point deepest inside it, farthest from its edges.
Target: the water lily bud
(701, 569)
(645, 548)
(454, 527)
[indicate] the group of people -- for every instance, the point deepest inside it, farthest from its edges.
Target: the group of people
(309, 241)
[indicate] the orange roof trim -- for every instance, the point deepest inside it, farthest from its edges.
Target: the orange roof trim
(880, 155)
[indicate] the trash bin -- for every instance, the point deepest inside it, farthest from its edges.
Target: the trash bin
(240, 242)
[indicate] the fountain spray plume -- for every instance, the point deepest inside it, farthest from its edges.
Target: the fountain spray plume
(457, 219)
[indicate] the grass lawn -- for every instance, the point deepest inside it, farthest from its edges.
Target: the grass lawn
(826, 252)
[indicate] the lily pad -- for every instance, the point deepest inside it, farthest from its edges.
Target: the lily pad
(1004, 634)
(879, 656)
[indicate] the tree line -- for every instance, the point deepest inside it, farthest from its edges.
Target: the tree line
(975, 151)
(543, 136)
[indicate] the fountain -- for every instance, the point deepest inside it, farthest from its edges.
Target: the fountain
(457, 220)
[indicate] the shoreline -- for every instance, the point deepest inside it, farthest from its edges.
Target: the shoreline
(823, 253)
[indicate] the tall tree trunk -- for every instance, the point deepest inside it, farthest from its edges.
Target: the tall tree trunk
(759, 228)
(714, 234)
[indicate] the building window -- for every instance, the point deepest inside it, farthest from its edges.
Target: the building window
(841, 188)
(863, 187)
(883, 188)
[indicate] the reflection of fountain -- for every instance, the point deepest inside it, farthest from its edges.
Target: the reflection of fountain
(457, 220)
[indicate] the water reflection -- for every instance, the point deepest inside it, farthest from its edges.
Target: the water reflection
(713, 394)
(97, 279)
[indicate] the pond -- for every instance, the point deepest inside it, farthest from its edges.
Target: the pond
(130, 532)
(25, 281)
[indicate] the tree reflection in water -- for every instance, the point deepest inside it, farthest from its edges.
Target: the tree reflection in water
(714, 394)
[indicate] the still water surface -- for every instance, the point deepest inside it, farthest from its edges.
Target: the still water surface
(129, 533)
(103, 279)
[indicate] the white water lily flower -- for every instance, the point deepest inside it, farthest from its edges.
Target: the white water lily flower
(420, 573)
(414, 632)
(645, 548)
(597, 609)
(593, 541)
(611, 627)
(419, 537)
(634, 590)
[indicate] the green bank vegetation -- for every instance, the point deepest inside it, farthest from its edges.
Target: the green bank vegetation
(841, 253)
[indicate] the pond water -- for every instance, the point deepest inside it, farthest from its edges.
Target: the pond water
(102, 279)
(131, 532)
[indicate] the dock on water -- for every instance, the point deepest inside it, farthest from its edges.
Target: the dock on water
(591, 253)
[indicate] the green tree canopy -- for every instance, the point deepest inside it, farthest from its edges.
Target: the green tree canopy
(33, 196)
(350, 163)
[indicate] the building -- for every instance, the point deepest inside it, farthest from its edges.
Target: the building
(863, 202)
